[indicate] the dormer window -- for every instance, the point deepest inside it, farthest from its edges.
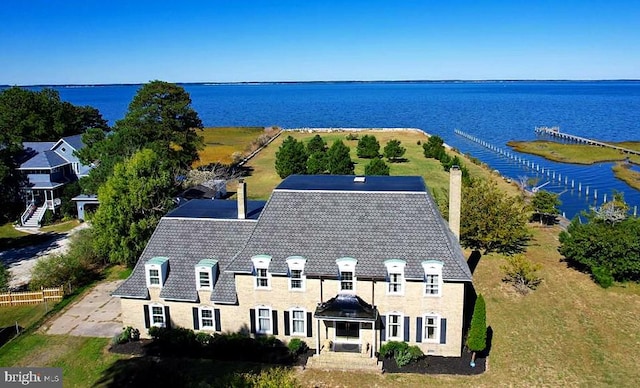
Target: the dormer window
(347, 274)
(296, 273)
(395, 276)
(206, 271)
(432, 277)
(261, 271)
(156, 271)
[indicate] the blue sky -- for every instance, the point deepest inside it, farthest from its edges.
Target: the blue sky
(113, 41)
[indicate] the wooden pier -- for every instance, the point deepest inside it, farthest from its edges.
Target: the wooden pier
(555, 132)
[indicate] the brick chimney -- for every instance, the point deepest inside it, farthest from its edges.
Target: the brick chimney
(455, 199)
(242, 199)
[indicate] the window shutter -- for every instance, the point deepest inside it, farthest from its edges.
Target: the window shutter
(216, 315)
(196, 318)
(167, 317)
(274, 330)
(419, 329)
(443, 330)
(383, 331)
(147, 320)
(309, 325)
(252, 320)
(406, 329)
(286, 323)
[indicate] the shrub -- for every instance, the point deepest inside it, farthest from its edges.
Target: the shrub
(477, 339)
(352, 136)
(297, 346)
(269, 341)
(274, 377)
(48, 218)
(204, 339)
(522, 273)
(392, 347)
(602, 276)
(128, 334)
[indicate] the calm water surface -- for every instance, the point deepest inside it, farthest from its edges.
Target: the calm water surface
(494, 111)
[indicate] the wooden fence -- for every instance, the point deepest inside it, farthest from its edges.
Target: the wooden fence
(32, 297)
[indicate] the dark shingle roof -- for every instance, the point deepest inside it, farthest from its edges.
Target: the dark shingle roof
(185, 242)
(43, 159)
(370, 226)
(74, 141)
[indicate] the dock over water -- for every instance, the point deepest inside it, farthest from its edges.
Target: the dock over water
(555, 132)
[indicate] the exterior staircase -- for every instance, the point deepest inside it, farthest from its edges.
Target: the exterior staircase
(345, 361)
(34, 220)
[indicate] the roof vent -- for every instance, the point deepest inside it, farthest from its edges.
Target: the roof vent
(359, 179)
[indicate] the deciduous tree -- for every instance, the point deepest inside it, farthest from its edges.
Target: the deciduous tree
(291, 158)
(492, 221)
(132, 201)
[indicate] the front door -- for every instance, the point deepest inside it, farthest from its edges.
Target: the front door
(347, 332)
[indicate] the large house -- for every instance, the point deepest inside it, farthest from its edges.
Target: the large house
(342, 262)
(48, 167)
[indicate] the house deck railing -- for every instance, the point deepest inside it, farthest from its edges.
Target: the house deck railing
(28, 213)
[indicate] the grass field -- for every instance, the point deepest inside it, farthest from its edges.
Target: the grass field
(222, 142)
(585, 154)
(264, 179)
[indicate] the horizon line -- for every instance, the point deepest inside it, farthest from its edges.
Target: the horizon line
(212, 83)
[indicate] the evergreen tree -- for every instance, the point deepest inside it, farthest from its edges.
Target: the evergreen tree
(477, 337)
(368, 147)
(545, 206)
(434, 147)
(376, 167)
(316, 144)
(339, 160)
(394, 150)
(291, 158)
(317, 163)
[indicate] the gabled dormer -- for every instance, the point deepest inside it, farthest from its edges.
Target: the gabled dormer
(206, 272)
(432, 277)
(156, 271)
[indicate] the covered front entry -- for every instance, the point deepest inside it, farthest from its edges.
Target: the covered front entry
(349, 323)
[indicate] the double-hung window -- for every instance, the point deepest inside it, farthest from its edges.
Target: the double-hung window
(432, 277)
(157, 316)
(394, 326)
(298, 324)
(296, 273)
(346, 281)
(430, 331)
(261, 271)
(206, 272)
(206, 319)
(156, 271)
(296, 279)
(264, 320)
(395, 276)
(154, 277)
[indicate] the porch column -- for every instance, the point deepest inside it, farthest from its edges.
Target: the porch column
(318, 337)
(373, 339)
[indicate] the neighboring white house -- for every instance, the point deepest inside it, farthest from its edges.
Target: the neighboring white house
(346, 263)
(48, 167)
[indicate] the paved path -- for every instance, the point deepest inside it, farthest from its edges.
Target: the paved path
(95, 315)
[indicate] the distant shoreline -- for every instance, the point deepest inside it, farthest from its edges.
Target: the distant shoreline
(451, 81)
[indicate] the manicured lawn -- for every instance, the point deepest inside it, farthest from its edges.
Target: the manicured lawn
(222, 142)
(83, 360)
(61, 227)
